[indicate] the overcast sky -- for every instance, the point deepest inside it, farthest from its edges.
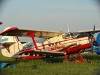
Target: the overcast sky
(51, 15)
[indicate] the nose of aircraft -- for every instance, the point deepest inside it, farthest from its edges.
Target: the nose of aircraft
(96, 45)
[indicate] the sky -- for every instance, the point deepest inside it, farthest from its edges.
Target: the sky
(51, 15)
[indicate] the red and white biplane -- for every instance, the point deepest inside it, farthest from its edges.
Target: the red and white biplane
(55, 44)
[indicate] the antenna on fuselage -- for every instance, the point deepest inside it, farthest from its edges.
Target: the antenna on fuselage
(68, 28)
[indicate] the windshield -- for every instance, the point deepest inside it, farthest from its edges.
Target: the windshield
(70, 35)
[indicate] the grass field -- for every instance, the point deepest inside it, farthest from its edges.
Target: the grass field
(39, 67)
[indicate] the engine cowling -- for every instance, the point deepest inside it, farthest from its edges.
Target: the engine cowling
(96, 44)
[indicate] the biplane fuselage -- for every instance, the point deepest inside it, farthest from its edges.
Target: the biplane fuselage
(68, 45)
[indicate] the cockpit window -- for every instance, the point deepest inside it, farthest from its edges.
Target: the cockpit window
(71, 35)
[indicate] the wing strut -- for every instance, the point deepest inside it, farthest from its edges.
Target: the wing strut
(32, 35)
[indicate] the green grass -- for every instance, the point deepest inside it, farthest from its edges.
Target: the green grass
(39, 67)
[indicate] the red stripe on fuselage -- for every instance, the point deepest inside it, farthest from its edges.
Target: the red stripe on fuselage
(77, 48)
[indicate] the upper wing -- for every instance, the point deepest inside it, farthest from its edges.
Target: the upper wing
(14, 31)
(21, 32)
